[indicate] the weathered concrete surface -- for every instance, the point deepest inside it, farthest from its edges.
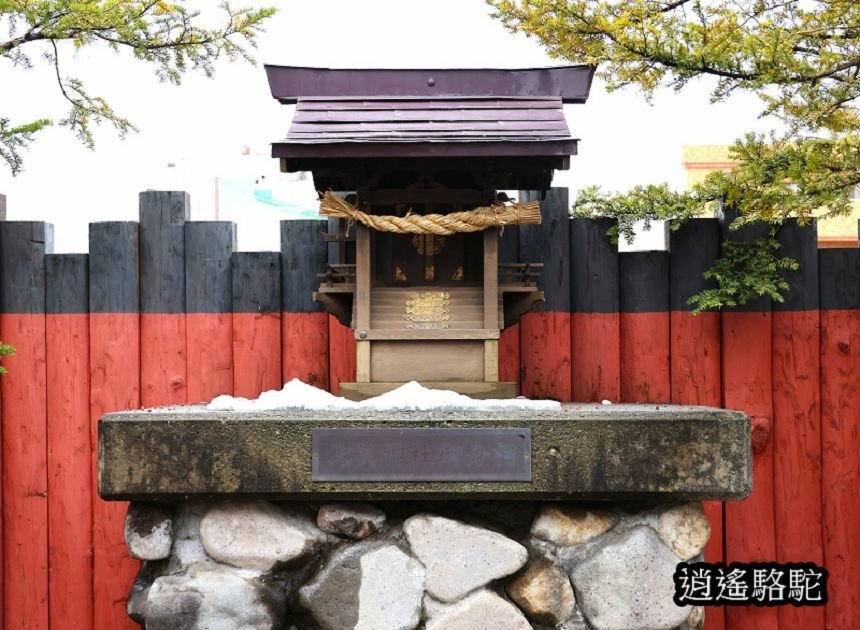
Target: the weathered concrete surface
(611, 452)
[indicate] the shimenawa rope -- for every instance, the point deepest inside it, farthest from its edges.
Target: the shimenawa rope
(498, 215)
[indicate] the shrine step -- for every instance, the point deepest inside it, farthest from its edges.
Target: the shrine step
(476, 389)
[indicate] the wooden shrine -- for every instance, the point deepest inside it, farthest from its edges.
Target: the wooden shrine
(409, 162)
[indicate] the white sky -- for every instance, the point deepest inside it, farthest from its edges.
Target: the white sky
(202, 125)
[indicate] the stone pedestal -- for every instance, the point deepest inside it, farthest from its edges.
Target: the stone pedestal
(388, 566)
(236, 532)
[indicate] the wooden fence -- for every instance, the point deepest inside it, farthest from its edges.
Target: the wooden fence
(164, 311)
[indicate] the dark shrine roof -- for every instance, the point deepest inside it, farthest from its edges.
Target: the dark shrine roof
(427, 113)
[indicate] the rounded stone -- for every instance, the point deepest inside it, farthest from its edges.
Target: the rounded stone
(213, 600)
(368, 586)
(568, 525)
(685, 528)
(148, 531)
(543, 592)
(696, 620)
(353, 520)
(480, 611)
(257, 535)
(628, 584)
(460, 558)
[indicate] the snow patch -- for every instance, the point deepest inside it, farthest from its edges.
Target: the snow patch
(410, 396)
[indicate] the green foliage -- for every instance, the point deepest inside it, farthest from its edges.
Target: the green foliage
(5, 351)
(165, 34)
(744, 272)
(14, 139)
(642, 203)
(800, 58)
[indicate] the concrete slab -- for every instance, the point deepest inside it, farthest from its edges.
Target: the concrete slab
(580, 452)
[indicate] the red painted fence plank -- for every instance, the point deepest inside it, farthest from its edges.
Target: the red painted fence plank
(695, 353)
(114, 386)
(70, 484)
(545, 344)
(256, 323)
(595, 323)
(341, 354)
(644, 302)
(209, 248)
(747, 386)
(25, 489)
(163, 367)
(24, 424)
(797, 417)
(840, 440)
(509, 355)
(306, 348)
(839, 277)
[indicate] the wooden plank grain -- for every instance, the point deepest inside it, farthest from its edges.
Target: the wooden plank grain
(256, 322)
(163, 368)
(209, 246)
(545, 344)
(839, 290)
(305, 327)
(595, 323)
(114, 386)
(695, 352)
(343, 356)
(797, 416)
(70, 484)
(644, 322)
(23, 408)
(747, 381)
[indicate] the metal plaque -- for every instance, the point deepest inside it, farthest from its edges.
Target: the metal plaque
(425, 454)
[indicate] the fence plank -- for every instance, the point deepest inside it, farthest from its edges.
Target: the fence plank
(748, 387)
(644, 302)
(256, 323)
(839, 274)
(545, 347)
(797, 416)
(24, 423)
(70, 484)
(209, 246)
(341, 353)
(114, 386)
(695, 355)
(595, 318)
(305, 331)
(163, 367)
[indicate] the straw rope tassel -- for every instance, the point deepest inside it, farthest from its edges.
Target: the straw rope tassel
(498, 215)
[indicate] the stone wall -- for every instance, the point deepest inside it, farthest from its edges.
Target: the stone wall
(402, 565)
